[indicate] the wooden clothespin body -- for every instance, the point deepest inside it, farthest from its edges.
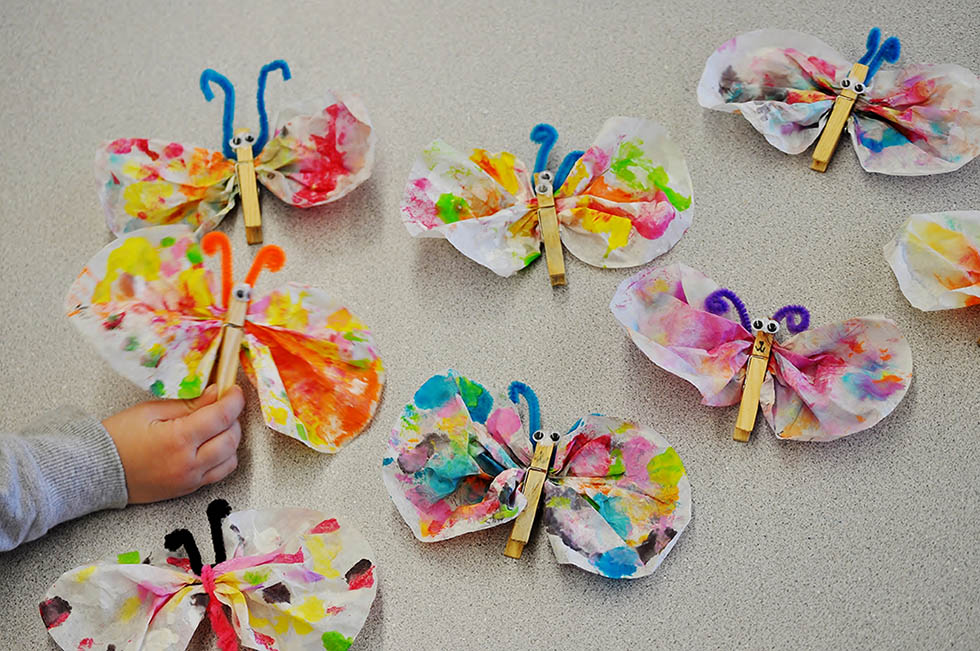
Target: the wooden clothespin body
(755, 373)
(533, 485)
(548, 224)
(245, 170)
(832, 131)
(231, 337)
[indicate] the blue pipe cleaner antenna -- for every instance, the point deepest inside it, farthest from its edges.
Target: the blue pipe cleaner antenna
(518, 390)
(797, 317)
(874, 38)
(715, 303)
(566, 166)
(263, 138)
(208, 77)
(889, 51)
(545, 135)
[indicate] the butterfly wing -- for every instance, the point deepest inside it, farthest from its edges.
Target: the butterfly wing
(126, 603)
(663, 311)
(445, 472)
(782, 82)
(156, 182)
(627, 200)
(618, 498)
(481, 203)
(320, 152)
(314, 365)
(920, 119)
(936, 259)
(295, 579)
(836, 380)
(145, 302)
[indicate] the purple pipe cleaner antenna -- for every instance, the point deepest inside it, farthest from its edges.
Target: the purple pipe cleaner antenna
(797, 317)
(715, 303)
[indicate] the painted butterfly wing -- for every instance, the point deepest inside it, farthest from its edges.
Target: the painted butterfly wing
(617, 500)
(481, 203)
(936, 259)
(127, 603)
(663, 312)
(320, 151)
(314, 364)
(782, 82)
(295, 579)
(836, 380)
(148, 182)
(445, 472)
(920, 119)
(627, 200)
(145, 302)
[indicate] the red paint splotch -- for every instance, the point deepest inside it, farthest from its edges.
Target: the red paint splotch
(327, 526)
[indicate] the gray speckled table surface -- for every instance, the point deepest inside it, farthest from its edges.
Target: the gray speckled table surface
(867, 542)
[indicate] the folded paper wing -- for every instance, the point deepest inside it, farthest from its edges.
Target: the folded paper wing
(627, 200)
(617, 500)
(314, 365)
(836, 380)
(936, 259)
(482, 203)
(445, 472)
(294, 579)
(783, 82)
(147, 303)
(663, 312)
(318, 154)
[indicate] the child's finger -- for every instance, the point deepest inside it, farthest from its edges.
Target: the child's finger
(212, 419)
(215, 450)
(171, 409)
(220, 471)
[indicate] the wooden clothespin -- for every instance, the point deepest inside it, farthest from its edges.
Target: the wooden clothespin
(269, 257)
(245, 169)
(755, 373)
(851, 87)
(537, 473)
(548, 223)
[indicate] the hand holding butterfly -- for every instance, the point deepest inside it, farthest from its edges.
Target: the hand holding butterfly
(170, 448)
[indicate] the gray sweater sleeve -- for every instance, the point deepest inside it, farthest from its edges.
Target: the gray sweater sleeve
(60, 468)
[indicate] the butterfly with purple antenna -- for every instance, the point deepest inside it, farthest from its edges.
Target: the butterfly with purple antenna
(817, 385)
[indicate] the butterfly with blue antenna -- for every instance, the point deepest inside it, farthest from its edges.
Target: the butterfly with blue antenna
(614, 495)
(620, 203)
(319, 152)
(794, 88)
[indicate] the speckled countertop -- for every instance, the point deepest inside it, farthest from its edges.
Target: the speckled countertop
(867, 542)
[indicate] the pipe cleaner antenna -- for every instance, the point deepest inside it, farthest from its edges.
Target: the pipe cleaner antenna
(218, 510)
(874, 38)
(215, 242)
(518, 390)
(209, 77)
(545, 135)
(263, 138)
(715, 303)
(183, 538)
(797, 317)
(566, 166)
(269, 257)
(889, 51)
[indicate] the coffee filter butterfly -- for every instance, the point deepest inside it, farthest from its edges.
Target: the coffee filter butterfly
(615, 495)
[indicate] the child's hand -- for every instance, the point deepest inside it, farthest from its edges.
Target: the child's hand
(171, 448)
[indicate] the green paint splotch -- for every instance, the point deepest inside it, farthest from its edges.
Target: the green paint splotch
(666, 468)
(190, 387)
(336, 641)
(452, 208)
(129, 558)
(194, 254)
(630, 156)
(256, 577)
(301, 431)
(167, 241)
(158, 389)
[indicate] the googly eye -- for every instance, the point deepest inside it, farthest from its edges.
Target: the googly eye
(243, 292)
(758, 324)
(236, 142)
(772, 327)
(546, 175)
(555, 436)
(845, 83)
(859, 88)
(538, 436)
(249, 138)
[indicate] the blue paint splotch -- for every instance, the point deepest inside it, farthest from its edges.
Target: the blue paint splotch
(617, 563)
(437, 391)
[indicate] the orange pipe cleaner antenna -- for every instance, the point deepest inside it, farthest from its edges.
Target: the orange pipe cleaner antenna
(212, 243)
(269, 257)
